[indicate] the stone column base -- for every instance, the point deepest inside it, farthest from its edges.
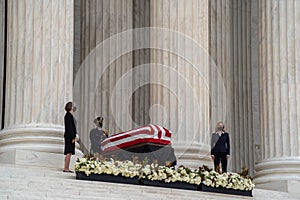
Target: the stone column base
(37, 137)
(34, 145)
(279, 174)
(37, 158)
(290, 186)
(192, 155)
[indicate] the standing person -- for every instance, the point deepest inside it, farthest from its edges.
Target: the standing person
(97, 135)
(220, 147)
(70, 134)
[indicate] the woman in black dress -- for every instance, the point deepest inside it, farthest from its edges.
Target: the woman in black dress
(70, 134)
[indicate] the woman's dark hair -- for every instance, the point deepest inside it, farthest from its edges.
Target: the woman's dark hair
(69, 106)
(99, 121)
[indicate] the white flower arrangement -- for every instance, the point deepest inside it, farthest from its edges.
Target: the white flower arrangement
(123, 168)
(228, 180)
(154, 172)
(169, 174)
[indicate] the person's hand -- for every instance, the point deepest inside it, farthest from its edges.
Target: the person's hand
(227, 157)
(77, 138)
(105, 133)
(212, 157)
(73, 141)
(168, 164)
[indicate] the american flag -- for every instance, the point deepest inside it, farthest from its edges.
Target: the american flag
(146, 134)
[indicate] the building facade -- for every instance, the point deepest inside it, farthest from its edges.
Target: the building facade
(184, 65)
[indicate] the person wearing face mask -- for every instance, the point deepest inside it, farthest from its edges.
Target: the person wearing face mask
(97, 135)
(70, 134)
(220, 147)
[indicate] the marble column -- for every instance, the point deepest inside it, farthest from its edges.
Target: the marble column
(279, 84)
(221, 62)
(39, 72)
(141, 57)
(77, 36)
(2, 53)
(102, 66)
(231, 44)
(255, 143)
(156, 80)
(179, 76)
(242, 75)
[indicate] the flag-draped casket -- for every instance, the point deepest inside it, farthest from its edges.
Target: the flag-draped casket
(150, 142)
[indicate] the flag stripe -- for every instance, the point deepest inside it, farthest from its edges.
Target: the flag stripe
(145, 134)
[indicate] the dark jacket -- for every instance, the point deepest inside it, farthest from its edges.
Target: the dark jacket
(96, 137)
(70, 128)
(222, 144)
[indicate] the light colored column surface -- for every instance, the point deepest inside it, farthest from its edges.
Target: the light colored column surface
(133, 75)
(2, 53)
(233, 50)
(102, 65)
(279, 81)
(180, 76)
(39, 74)
(221, 52)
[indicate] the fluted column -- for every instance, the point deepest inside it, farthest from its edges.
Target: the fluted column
(279, 82)
(241, 82)
(179, 76)
(2, 53)
(232, 26)
(39, 72)
(221, 70)
(103, 65)
(141, 59)
(153, 81)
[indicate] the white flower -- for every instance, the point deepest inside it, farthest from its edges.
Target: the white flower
(161, 173)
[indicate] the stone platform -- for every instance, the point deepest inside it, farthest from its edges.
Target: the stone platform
(18, 182)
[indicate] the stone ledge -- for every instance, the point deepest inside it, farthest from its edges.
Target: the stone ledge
(36, 158)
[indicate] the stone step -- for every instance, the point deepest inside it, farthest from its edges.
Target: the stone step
(36, 188)
(17, 182)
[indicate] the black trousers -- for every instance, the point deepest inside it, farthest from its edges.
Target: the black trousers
(220, 157)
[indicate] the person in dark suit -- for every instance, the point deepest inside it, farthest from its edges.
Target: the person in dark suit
(70, 134)
(220, 147)
(97, 135)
